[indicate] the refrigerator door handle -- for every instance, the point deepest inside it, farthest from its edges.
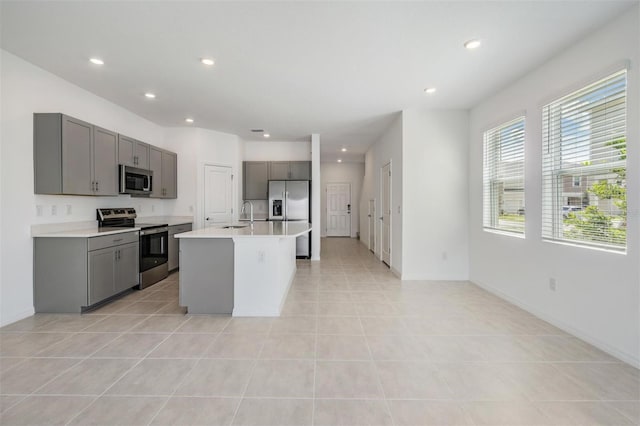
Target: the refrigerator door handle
(286, 204)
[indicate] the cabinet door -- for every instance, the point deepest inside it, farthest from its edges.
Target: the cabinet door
(279, 170)
(76, 157)
(141, 155)
(125, 150)
(169, 175)
(105, 161)
(127, 266)
(102, 274)
(155, 165)
(300, 170)
(256, 180)
(174, 251)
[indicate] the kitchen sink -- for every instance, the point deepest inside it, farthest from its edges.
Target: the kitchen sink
(234, 226)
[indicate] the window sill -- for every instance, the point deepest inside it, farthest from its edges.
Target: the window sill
(506, 233)
(586, 246)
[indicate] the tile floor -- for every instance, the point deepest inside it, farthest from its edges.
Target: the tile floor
(354, 346)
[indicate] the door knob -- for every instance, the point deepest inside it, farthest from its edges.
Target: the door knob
(207, 219)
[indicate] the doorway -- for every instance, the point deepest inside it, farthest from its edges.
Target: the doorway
(372, 225)
(218, 194)
(385, 216)
(338, 210)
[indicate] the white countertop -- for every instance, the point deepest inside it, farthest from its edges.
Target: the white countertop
(83, 233)
(258, 230)
(90, 228)
(169, 220)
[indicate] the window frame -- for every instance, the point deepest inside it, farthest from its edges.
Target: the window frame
(553, 185)
(494, 185)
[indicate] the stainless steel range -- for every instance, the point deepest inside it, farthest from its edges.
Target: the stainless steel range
(154, 242)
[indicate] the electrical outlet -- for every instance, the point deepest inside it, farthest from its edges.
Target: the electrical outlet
(444, 255)
(190, 209)
(68, 209)
(153, 208)
(553, 284)
(54, 210)
(39, 210)
(261, 256)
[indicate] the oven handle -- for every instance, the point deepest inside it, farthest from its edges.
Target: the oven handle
(155, 231)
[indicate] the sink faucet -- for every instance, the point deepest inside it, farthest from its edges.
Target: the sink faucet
(244, 203)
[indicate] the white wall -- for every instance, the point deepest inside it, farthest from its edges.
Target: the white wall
(27, 89)
(352, 173)
(387, 148)
(435, 195)
(597, 295)
(195, 148)
(277, 151)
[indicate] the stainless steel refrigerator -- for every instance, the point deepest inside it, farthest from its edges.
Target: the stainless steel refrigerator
(289, 201)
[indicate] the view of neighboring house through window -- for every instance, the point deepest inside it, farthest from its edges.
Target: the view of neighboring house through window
(503, 177)
(584, 165)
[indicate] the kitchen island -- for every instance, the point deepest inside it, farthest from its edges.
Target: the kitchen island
(240, 269)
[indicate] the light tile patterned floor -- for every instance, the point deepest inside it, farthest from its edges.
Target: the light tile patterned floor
(354, 346)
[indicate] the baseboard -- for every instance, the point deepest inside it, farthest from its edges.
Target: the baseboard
(420, 277)
(395, 272)
(623, 356)
(17, 317)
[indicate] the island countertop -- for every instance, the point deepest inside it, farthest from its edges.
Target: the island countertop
(246, 230)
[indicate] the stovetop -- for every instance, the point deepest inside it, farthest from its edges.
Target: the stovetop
(112, 218)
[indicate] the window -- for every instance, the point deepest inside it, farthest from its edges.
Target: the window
(503, 178)
(584, 166)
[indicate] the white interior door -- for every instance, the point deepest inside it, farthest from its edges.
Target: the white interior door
(218, 195)
(372, 225)
(338, 210)
(385, 216)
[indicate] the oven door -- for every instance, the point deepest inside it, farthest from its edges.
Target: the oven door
(154, 248)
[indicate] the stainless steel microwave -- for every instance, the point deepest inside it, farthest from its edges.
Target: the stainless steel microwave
(135, 181)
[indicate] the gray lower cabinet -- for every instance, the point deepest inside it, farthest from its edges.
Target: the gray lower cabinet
(72, 274)
(174, 244)
(73, 157)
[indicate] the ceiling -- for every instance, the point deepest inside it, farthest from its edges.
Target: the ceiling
(340, 69)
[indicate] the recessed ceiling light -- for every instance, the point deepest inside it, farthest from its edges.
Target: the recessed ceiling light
(189, 120)
(96, 61)
(150, 95)
(339, 160)
(207, 61)
(266, 135)
(472, 44)
(430, 90)
(344, 150)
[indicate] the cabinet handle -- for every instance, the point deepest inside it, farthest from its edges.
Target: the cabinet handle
(97, 187)
(117, 240)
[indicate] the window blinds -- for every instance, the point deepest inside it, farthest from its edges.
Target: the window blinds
(503, 177)
(584, 165)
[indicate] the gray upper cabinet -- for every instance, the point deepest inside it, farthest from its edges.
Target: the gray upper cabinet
(256, 180)
(132, 152)
(77, 137)
(164, 165)
(300, 170)
(169, 175)
(73, 157)
(155, 165)
(105, 154)
(257, 175)
(290, 170)
(279, 170)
